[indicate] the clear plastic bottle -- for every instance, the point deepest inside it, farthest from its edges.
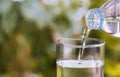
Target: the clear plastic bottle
(107, 18)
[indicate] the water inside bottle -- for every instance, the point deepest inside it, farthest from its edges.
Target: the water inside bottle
(112, 26)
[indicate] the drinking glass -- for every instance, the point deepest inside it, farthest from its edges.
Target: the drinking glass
(71, 62)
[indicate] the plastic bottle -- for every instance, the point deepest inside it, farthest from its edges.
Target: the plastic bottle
(107, 18)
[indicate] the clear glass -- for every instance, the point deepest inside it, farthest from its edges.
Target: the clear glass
(90, 64)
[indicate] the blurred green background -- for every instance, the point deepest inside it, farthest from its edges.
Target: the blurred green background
(30, 28)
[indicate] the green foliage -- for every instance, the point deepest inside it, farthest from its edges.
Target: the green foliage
(96, 4)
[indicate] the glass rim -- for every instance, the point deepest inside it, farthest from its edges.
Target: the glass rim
(63, 40)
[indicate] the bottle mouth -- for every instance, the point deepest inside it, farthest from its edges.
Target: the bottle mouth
(94, 19)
